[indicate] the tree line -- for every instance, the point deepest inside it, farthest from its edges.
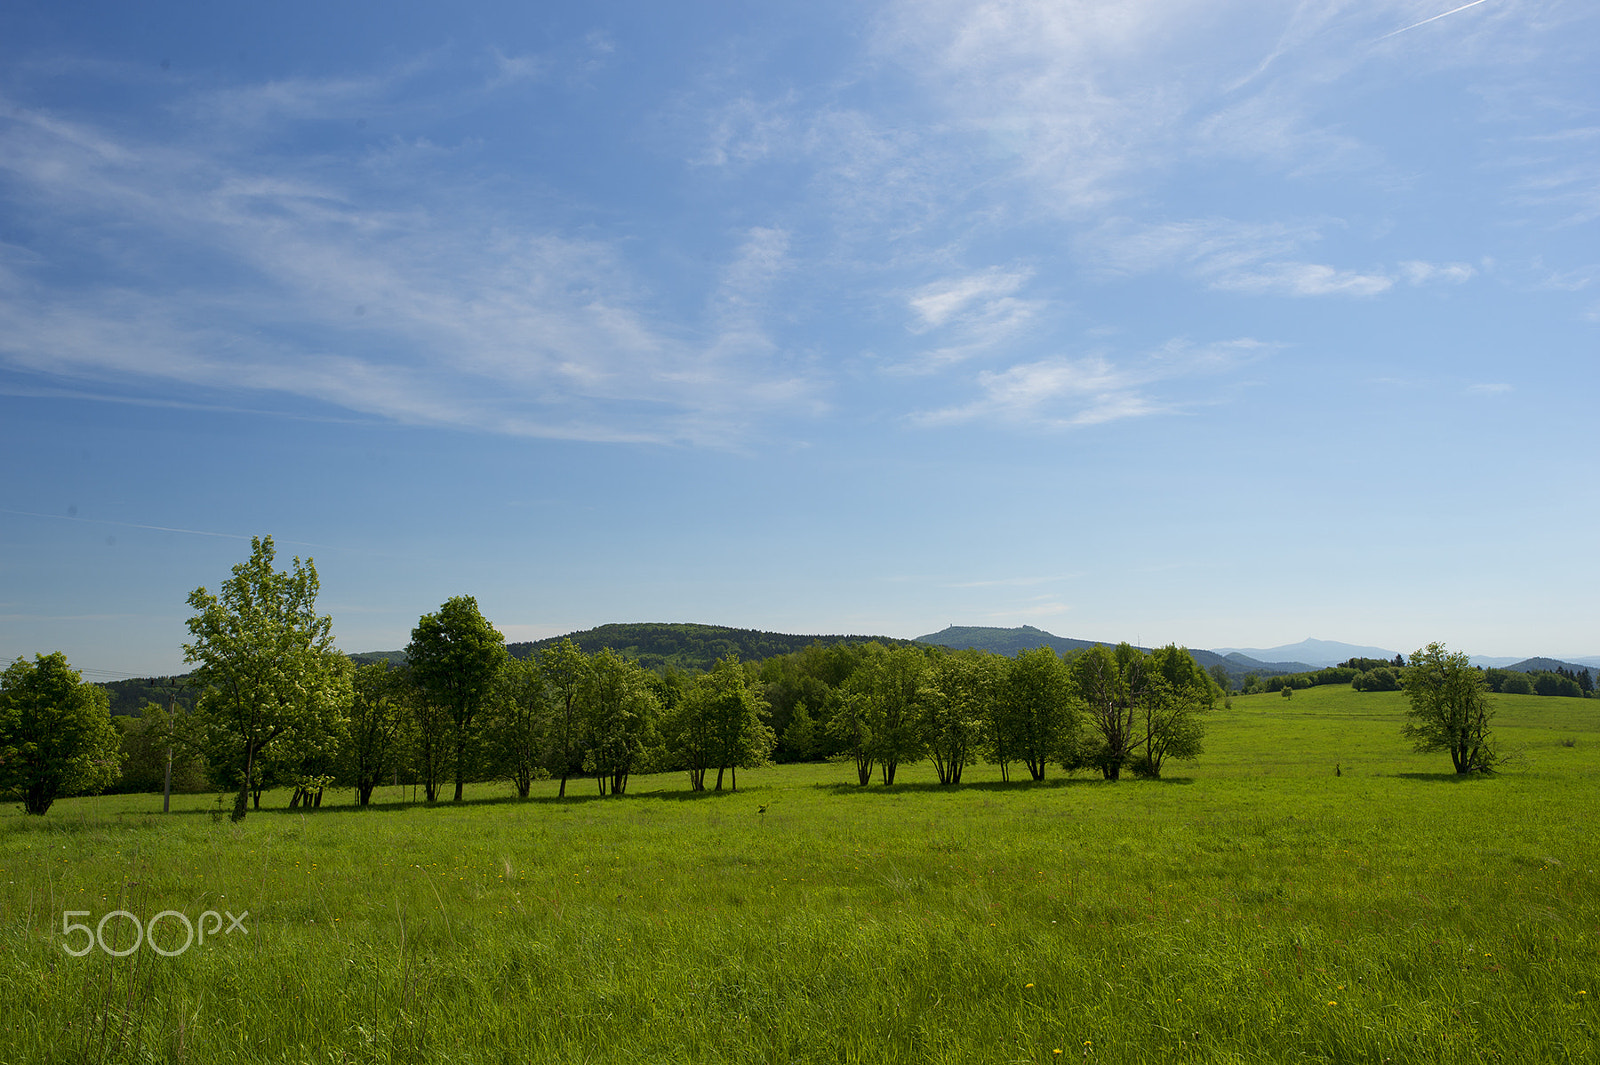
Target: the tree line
(276, 705)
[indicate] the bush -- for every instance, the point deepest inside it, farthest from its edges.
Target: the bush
(1381, 679)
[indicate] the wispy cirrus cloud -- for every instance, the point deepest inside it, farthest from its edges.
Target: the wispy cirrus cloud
(1069, 393)
(967, 316)
(1265, 259)
(231, 272)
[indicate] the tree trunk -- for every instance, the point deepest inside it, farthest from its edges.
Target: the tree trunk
(719, 776)
(562, 794)
(36, 800)
(240, 801)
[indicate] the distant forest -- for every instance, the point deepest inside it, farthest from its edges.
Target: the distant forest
(696, 648)
(693, 648)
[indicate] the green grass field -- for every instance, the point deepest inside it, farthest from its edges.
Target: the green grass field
(1255, 907)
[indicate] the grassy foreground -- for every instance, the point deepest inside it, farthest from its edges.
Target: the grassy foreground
(1256, 908)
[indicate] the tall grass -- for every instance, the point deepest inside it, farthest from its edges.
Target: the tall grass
(1256, 908)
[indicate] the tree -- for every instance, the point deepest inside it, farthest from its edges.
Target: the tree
(566, 670)
(269, 675)
(744, 739)
(56, 736)
(1450, 708)
(1178, 694)
(885, 687)
(1040, 716)
(517, 726)
(1109, 686)
(957, 692)
(377, 721)
(721, 721)
(427, 732)
(852, 725)
(619, 711)
(154, 739)
(455, 656)
(1219, 673)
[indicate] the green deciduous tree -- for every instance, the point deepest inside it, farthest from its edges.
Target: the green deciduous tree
(1219, 673)
(271, 681)
(1107, 682)
(455, 656)
(619, 713)
(1176, 697)
(884, 689)
(518, 725)
(1450, 708)
(56, 736)
(566, 671)
(745, 739)
(1041, 711)
(377, 724)
(718, 717)
(153, 739)
(427, 734)
(954, 704)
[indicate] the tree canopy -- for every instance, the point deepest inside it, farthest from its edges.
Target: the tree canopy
(271, 682)
(455, 657)
(1450, 709)
(56, 736)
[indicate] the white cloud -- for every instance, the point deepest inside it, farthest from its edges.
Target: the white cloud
(973, 315)
(1232, 256)
(245, 275)
(1066, 393)
(938, 303)
(1303, 279)
(1421, 273)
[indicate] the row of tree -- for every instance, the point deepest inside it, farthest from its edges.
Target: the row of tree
(279, 705)
(1561, 681)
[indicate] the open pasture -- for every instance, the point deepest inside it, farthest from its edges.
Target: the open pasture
(1255, 907)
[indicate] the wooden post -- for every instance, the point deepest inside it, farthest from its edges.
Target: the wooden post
(166, 795)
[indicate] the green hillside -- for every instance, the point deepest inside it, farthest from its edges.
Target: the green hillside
(689, 646)
(1003, 641)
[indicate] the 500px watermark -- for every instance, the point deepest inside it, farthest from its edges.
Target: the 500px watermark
(144, 933)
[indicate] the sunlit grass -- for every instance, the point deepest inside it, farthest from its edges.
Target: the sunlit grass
(1256, 907)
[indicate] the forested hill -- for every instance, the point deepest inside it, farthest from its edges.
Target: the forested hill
(1003, 641)
(1546, 665)
(689, 647)
(1025, 638)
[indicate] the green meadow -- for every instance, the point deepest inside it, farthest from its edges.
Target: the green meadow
(1256, 906)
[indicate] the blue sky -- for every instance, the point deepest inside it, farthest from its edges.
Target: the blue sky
(1224, 323)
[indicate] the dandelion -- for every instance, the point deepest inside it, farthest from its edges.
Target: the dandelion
(1027, 985)
(1332, 1003)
